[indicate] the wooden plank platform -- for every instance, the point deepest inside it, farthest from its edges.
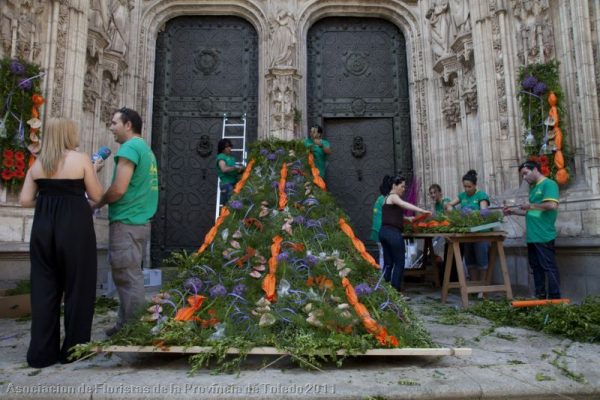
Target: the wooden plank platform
(421, 352)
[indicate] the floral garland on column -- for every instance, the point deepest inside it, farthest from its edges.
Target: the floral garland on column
(540, 96)
(20, 102)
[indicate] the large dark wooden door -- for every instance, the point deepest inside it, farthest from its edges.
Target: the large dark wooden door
(358, 91)
(205, 67)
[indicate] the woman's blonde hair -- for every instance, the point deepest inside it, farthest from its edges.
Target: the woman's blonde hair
(60, 134)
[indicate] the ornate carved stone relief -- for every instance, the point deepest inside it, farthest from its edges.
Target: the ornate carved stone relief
(20, 25)
(110, 96)
(536, 42)
(91, 85)
(500, 74)
(282, 85)
(469, 92)
(451, 106)
(59, 65)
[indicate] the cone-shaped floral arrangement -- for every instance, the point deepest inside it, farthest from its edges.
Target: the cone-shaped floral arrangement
(281, 267)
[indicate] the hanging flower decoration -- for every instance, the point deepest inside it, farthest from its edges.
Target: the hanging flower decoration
(543, 137)
(20, 122)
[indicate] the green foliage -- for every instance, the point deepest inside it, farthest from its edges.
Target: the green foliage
(454, 221)
(311, 318)
(15, 110)
(23, 287)
(105, 304)
(579, 322)
(534, 110)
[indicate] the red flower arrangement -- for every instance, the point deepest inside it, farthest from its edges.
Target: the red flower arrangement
(13, 167)
(544, 166)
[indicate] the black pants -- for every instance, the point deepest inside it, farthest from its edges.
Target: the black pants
(542, 261)
(63, 260)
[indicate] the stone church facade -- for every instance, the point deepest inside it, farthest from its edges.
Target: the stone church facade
(424, 87)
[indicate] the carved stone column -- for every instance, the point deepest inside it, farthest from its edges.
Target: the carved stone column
(282, 84)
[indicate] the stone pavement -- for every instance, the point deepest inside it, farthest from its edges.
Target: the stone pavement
(507, 363)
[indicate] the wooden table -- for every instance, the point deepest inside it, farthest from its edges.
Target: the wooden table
(496, 240)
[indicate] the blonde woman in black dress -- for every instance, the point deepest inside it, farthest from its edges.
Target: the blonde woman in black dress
(62, 245)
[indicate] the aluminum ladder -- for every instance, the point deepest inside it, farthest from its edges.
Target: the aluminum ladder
(235, 150)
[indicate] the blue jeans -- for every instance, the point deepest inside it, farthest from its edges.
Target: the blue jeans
(392, 242)
(542, 261)
(226, 190)
(476, 254)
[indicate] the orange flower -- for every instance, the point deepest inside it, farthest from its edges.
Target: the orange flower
(37, 99)
(187, 313)
(310, 281)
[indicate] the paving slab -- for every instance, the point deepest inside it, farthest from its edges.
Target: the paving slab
(506, 363)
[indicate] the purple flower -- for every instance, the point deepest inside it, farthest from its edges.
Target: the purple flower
(280, 151)
(193, 284)
(264, 152)
(299, 220)
(289, 185)
(363, 289)
(529, 82)
(283, 256)
(466, 211)
(311, 201)
(485, 212)
(217, 291)
(313, 223)
(25, 84)
(540, 88)
(236, 204)
(272, 157)
(274, 184)
(312, 260)
(16, 68)
(239, 289)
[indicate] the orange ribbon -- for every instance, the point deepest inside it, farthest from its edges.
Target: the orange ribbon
(369, 323)
(238, 186)
(282, 195)
(210, 236)
(358, 244)
(317, 180)
(562, 176)
(268, 284)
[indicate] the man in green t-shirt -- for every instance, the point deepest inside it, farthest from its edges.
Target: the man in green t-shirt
(132, 200)
(228, 170)
(540, 218)
(319, 147)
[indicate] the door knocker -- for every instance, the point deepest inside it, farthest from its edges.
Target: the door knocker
(359, 148)
(204, 147)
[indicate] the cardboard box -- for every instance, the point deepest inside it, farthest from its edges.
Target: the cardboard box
(152, 277)
(14, 306)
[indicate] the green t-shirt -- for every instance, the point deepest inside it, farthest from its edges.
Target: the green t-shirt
(140, 201)
(227, 177)
(377, 218)
(319, 153)
(440, 207)
(473, 201)
(540, 224)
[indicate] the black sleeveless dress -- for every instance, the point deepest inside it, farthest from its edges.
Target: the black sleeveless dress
(63, 260)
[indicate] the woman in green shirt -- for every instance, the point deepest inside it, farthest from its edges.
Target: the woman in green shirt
(227, 170)
(319, 147)
(439, 201)
(475, 254)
